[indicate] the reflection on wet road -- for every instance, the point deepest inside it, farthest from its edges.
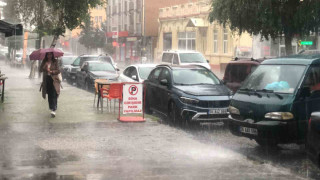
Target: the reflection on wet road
(85, 143)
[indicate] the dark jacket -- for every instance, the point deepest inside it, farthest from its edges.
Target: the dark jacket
(55, 71)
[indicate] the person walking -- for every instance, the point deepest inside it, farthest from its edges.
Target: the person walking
(50, 81)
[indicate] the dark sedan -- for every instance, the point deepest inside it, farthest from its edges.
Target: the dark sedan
(92, 70)
(313, 144)
(186, 94)
(71, 74)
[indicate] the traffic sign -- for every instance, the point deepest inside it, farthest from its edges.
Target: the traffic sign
(307, 43)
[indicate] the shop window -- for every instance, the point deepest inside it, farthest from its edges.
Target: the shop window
(167, 41)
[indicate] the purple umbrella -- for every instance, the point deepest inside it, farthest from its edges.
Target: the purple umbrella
(41, 53)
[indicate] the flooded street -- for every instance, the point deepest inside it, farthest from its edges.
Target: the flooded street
(83, 142)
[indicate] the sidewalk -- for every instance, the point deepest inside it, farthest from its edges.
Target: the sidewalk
(23, 101)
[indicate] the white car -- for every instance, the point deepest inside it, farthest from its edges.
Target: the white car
(136, 73)
(184, 58)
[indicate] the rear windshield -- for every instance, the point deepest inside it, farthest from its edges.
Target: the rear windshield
(192, 58)
(238, 72)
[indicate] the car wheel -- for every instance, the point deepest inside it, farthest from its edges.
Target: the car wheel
(174, 113)
(87, 86)
(147, 106)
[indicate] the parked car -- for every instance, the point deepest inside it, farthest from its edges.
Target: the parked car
(184, 58)
(276, 100)
(237, 71)
(66, 62)
(71, 74)
(91, 70)
(136, 73)
(107, 58)
(313, 143)
(186, 94)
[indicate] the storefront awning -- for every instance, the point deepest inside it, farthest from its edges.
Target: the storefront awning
(196, 22)
(10, 29)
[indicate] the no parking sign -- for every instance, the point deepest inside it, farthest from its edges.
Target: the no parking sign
(132, 98)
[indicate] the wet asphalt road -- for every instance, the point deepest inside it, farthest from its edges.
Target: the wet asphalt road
(85, 143)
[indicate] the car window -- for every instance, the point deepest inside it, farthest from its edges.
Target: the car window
(312, 79)
(105, 59)
(76, 62)
(165, 74)
(175, 59)
(237, 72)
(144, 72)
(127, 71)
(155, 75)
(167, 57)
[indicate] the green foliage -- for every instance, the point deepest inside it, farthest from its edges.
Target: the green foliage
(71, 13)
(270, 18)
(91, 37)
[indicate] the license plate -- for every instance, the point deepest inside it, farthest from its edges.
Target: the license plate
(218, 111)
(247, 130)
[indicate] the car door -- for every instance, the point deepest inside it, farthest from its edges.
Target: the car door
(164, 89)
(152, 88)
(83, 73)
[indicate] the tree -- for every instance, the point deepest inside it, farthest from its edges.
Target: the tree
(270, 18)
(69, 14)
(92, 37)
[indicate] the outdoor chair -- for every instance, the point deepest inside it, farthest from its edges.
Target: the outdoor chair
(114, 92)
(96, 91)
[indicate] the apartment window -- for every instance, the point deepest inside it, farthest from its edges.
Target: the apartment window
(225, 41)
(215, 41)
(125, 6)
(100, 19)
(96, 19)
(138, 18)
(167, 41)
(187, 40)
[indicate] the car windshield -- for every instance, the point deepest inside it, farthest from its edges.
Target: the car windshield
(278, 78)
(144, 72)
(106, 59)
(101, 67)
(192, 58)
(194, 76)
(67, 60)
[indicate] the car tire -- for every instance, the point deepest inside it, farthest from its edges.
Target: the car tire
(174, 113)
(86, 86)
(147, 106)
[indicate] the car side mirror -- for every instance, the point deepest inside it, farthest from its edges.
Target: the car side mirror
(208, 61)
(164, 82)
(305, 92)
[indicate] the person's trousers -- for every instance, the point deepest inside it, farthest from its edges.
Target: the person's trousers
(52, 94)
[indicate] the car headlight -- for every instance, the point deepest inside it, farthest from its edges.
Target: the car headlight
(279, 115)
(233, 110)
(189, 100)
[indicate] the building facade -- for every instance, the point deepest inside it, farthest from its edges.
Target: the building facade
(133, 27)
(186, 27)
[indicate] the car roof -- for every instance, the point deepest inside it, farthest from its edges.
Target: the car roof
(298, 59)
(245, 61)
(143, 65)
(89, 56)
(96, 62)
